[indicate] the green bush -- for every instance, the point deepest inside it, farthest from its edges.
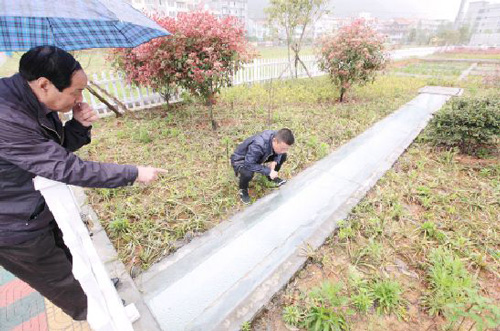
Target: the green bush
(469, 124)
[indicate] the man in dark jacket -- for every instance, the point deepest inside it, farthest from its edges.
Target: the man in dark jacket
(266, 147)
(34, 142)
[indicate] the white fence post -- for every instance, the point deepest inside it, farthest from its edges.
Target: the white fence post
(105, 309)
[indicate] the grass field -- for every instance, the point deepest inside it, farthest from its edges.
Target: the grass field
(485, 55)
(92, 61)
(420, 252)
(200, 191)
(280, 52)
(438, 69)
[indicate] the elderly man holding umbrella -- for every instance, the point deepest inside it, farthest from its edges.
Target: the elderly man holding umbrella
(34, 142)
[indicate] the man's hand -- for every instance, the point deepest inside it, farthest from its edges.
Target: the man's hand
(148, 174)
(84, 114)
(272, 165)
(273, 174)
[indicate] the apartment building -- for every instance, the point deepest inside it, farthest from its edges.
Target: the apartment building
(483, 18)
(164, 7)
(236, 8)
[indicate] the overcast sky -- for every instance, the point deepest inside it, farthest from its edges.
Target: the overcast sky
(443, 9)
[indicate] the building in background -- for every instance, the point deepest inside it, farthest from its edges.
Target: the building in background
(432, 25)
(258, 29)
(483, 18)
(396, 30)
(169, 8)
(222, 8)
(327, 24)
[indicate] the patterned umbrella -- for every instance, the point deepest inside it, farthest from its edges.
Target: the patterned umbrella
(73, 24)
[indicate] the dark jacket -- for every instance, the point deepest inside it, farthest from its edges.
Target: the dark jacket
(34, 142)
(254, 151)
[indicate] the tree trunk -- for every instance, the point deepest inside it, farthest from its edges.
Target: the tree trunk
(288, 47)
(296, 64)
(167, 99)
(342, 92)
(304, 66)
(210, 104)
(296, 59)
(271, 103)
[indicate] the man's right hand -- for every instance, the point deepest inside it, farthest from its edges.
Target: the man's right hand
(272, 165)
(148, 174)
(273, 174)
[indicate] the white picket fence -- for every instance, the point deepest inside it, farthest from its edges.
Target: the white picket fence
(116, 84)
(135, 98)
(259, 70)
(266, 69)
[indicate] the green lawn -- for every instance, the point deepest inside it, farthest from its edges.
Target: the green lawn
(280, 52)
(433, 68)
(420, 252)
(92, 61)
(200, 191)
(11, 65)
(469, 55)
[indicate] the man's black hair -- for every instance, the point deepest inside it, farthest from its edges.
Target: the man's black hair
(50, 62)
(285, 135)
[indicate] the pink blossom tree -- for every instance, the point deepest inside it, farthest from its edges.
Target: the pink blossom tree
(201, 56)
(153, 64)
(352, 56)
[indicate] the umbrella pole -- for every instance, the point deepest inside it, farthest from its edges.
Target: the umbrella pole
(104, 101)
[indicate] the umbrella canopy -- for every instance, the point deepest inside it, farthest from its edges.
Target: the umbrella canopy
(73, 24)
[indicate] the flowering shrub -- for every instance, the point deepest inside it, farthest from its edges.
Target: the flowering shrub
(201, 55)
(352, 56)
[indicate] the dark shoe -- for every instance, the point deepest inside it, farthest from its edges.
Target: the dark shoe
(245, 198)
(115, 281)
(278, 181)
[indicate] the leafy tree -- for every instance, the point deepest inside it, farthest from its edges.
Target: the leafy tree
(154, 64)
(464, 34)
(200, 56)
(295, 17)
(412, 36)
(352, 56)
(448, 35)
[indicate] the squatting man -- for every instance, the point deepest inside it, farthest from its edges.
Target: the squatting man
(249, 157)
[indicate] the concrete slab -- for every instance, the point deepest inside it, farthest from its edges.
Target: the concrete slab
(441, 90)
(225, 277)
(127, 289)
